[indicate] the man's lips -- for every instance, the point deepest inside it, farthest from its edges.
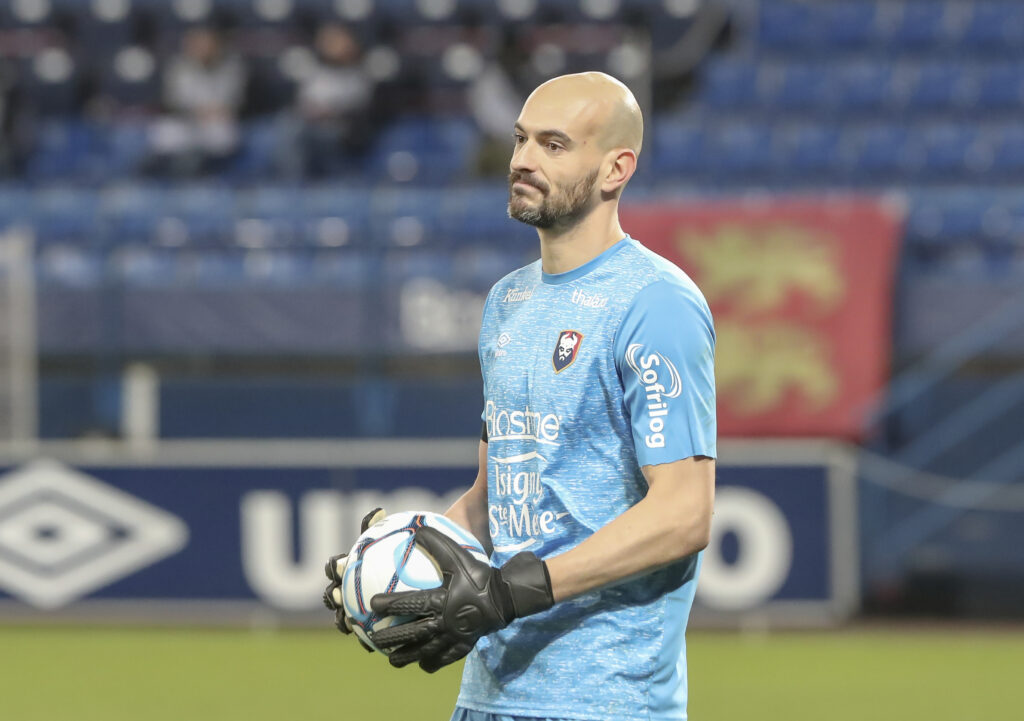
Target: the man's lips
(523, 184)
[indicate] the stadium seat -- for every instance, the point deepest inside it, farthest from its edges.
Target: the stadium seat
(923, 25)
(789, 25)
(743, 151)
(64, 214)
(995, 26)
(810, 152)
(1000, 86)
(938, 87)
(883, 153)
(864, 86)
(1008, 151)
(851, 24)
(951, 152)
(681, 148)
(729, 84)
(336, 215)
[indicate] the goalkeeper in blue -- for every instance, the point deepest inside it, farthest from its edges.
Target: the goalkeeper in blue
(596, 479)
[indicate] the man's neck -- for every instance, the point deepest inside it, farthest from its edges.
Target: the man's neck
(562, 250)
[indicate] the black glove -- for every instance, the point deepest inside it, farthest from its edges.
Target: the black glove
(335, 570)
(473, 600)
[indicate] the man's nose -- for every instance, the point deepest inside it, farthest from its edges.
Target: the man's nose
(523, 158)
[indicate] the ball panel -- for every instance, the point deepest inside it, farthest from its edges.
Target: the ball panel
(384, 559)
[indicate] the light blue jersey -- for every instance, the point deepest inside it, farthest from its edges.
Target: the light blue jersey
(588, 376)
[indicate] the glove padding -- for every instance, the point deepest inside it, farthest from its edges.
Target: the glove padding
(474, 599)
(335, 570)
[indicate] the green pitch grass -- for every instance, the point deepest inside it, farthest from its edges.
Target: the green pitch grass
(75, 674)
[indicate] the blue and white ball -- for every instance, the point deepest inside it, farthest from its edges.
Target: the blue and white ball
(384, 559)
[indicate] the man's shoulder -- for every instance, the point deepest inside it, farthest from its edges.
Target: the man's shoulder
(518, 284)
(659, 278)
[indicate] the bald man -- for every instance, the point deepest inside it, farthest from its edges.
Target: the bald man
(596, 462)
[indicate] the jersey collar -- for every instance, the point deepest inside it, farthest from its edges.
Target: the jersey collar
(579, 272)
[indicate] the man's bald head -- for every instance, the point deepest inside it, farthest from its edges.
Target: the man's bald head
(601, 106)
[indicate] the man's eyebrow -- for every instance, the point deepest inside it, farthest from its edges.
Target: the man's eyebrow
(547, 134)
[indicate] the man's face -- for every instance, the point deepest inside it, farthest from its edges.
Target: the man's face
(544, 207)
(554, 169)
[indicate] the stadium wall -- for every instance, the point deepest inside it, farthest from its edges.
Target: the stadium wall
(237, 532)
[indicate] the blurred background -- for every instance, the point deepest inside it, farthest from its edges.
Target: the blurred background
(244, 247)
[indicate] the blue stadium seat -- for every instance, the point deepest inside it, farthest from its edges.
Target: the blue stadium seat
(1001, 86)
(680, 147)
(883, 152)
(476, 216)
(66, 150)
(789, 25)
(851, 24)
(405, 217)
(131, 213)
(423, 149)
(729, 84)
(1008, 151)
(65, 214)
(863, 86)
(207, 210)
(15, 206)
(336, 215)
(947, 152)
(274, 211)
(923, 25)
(805, 86)
(810, 152)
(938, 87)
(995, 27)
(743, 151)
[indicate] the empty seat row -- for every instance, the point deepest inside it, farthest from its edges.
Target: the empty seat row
(864, 85)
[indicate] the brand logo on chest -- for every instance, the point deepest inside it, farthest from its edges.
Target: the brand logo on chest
(517, 295)
(589, 300)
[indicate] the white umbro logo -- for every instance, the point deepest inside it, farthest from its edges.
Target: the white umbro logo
(504, 339)
(64, 534)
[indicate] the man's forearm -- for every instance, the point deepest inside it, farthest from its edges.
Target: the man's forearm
(470, 512)
(670, 523)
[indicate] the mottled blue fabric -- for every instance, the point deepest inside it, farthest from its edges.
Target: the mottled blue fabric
(462, 714)
(589, 375)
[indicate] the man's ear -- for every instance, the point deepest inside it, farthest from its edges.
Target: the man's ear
(621, 166)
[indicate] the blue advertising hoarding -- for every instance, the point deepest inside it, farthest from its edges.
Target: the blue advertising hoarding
(247, 526)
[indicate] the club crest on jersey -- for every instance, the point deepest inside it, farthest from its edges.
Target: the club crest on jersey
(566, 349)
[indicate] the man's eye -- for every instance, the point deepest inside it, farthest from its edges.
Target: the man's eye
(520, 139)
(554, 147)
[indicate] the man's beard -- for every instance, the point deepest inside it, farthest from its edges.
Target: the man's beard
(563, 208)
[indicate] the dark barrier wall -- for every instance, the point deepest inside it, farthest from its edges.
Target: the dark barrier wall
(234, 527)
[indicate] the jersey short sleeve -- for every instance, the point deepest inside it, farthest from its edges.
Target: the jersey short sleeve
(665, 355)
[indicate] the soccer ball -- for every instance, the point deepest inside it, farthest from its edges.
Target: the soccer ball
(384, 559)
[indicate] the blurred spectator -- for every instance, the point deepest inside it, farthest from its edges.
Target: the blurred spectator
(494, 100)
(15, 138)
(204, 86)
(330, 123)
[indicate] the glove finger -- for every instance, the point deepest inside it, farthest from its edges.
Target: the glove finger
(435, 662)
(415, 632)
(335, 567)
(408, 603)
(342, 621)
(333, 596)
(375, 516)
(404, 655)
(446, 552)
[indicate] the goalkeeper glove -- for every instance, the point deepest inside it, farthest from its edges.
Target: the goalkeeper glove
(474, 599)
(335, 570)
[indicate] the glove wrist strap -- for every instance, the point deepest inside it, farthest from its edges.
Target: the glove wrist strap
(528, 583)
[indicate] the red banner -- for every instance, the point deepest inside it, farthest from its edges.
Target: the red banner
(801, 292)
